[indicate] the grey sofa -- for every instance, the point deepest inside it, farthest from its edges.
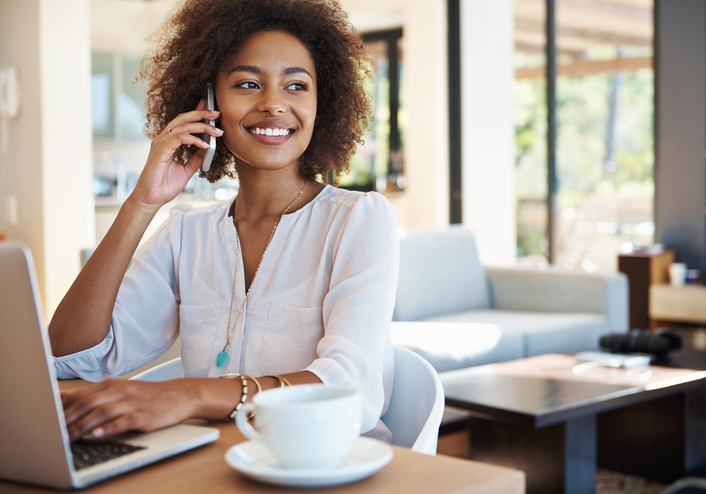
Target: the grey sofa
(457, 313)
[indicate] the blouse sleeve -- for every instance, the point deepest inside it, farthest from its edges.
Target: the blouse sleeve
(357, 310)
(145, 321)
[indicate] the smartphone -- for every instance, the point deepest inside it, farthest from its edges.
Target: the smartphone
(208, 153)
(615, 359)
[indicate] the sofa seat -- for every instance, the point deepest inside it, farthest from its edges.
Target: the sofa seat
(458, 344)
(540, 332)
(470, 314)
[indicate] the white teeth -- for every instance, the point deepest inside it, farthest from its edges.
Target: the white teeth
(270, 131)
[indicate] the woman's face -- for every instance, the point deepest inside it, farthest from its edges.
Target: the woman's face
(267, 98)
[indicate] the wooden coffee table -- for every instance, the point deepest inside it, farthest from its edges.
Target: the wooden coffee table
(537, 415)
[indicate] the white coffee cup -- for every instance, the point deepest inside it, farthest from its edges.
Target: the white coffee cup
(306, 426)
(677, 273)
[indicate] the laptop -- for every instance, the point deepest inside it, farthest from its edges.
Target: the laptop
(34, 443)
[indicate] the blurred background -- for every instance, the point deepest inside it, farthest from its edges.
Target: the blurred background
(537, 133)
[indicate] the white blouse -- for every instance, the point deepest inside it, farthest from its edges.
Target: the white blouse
(322, 300)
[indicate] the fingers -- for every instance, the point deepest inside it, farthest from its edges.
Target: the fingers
(184, 134)
(114, 406)
(123, 423)
(93, 405)
(194, 116)
(74, 398)
(97, 419)
(194, 163)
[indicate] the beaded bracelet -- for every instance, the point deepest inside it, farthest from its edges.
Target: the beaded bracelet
(282, 381)
(244, 392)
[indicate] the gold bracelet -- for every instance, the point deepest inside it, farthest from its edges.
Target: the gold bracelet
(282, 381)
(257, 383)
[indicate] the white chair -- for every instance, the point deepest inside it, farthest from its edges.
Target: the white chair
(417, 403)
(172, 369)
(416, 406)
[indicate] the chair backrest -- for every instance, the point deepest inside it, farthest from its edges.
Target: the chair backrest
(440, 273)
(416, 406)
(171, 369)
(417, 403)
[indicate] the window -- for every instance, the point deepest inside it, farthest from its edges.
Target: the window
(584, 161)
(378, 164)
(117, 104)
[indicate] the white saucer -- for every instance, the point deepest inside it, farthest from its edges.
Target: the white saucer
(254, 460)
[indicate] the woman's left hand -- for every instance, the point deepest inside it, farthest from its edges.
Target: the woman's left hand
(114, 406)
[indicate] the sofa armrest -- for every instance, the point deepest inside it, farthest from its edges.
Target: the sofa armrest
(553, 290)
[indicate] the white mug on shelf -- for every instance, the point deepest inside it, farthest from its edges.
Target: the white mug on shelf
(677, 273)
(306, 426)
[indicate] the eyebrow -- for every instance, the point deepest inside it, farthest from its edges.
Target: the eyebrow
(257, 70)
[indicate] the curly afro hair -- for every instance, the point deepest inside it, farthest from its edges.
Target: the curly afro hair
(198, 38)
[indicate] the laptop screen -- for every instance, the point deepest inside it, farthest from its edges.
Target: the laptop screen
(32, 446)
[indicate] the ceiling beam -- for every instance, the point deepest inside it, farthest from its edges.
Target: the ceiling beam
(582, 69)
(591, 16)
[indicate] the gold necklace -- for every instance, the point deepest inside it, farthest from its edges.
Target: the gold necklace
(222, 357)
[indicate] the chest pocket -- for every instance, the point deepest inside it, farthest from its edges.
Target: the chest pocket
(198, 326)
(290, 339)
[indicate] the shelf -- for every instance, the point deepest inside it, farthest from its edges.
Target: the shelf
(680, 304)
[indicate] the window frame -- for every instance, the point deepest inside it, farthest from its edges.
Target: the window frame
(394, 159)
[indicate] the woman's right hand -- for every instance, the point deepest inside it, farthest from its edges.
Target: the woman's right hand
(77, 325)
(163, 178)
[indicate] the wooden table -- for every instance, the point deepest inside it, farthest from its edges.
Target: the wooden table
(205, 470)
(536, 415)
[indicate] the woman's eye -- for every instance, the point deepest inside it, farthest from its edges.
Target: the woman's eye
(247, 85)
(298, 86)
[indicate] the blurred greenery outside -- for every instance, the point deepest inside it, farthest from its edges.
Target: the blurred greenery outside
(600, 191)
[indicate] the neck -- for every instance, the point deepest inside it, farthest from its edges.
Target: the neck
(267, 193)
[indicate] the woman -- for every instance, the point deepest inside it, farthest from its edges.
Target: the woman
(292, 282)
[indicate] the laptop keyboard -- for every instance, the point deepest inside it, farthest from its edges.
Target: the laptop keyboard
(87, 453)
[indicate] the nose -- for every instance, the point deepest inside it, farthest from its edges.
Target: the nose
(272, 101)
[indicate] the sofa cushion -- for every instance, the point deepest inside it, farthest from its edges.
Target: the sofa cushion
(555, 290)
(440, 273)
(543, 332)
(458, 345)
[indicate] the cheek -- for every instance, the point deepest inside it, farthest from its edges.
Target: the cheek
(230, 135)
(309, 114)
(228, 119)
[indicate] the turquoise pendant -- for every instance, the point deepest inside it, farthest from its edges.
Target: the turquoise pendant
(221, 359)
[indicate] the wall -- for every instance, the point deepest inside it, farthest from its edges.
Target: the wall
(425, 97)
(680, 119)
(487, 131)
(122, 27)
(488, 167)
(47, 167)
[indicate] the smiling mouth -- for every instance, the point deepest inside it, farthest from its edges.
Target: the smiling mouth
(270, 131)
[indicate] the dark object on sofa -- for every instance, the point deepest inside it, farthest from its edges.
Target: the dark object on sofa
(639, 341)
